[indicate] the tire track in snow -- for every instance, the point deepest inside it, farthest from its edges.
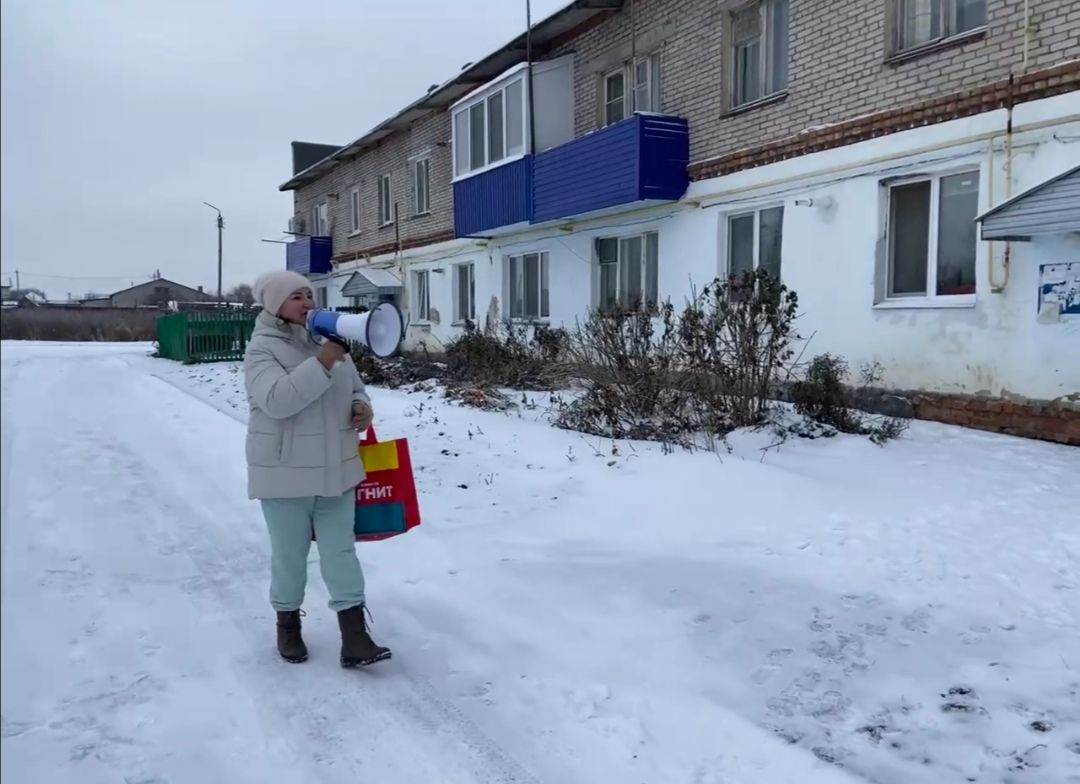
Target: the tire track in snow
(407, 702)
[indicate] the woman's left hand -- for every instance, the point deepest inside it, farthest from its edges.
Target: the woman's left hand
(362, 416)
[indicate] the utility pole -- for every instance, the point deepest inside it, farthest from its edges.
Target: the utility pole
(220, 228)
(18, 285)
(528, 58)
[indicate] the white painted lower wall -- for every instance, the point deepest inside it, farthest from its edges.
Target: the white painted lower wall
(994, 346)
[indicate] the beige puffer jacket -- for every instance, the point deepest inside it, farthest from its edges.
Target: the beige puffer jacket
(300, 439)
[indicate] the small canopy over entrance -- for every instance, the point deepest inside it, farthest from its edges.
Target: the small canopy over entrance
(375, 283)
(1052, 207)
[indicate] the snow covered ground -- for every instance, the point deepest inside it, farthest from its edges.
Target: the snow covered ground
(570, 610)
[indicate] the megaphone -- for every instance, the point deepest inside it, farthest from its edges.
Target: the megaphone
(381, 329)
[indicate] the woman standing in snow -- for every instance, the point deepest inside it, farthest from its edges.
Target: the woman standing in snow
(307, 404)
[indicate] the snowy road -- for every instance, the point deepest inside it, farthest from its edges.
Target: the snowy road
(135, 630)
(566, 613)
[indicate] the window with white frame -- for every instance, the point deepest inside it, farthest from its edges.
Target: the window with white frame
(320, 220)
(754, 241)
(629, 271)
(422, 300)
(930, 236)
(759, 51)
(386, 203)
(527, 284)
(320, 297)
(421, 186)
(922, 22)
(490, 128)
(464, 292)
(632, 87)
(354, 210)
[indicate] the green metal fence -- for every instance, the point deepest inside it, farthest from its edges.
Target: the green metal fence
(218, 335)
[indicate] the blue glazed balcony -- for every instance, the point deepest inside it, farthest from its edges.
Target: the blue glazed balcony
(639, 160)
(310, 255)
(498, 197)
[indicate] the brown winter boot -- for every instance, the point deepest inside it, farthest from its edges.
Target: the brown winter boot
(357, 647)
(289, 642)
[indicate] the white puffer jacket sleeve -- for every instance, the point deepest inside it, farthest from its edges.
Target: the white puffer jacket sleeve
(279, 393)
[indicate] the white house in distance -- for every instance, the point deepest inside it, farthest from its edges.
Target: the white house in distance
(918, 189)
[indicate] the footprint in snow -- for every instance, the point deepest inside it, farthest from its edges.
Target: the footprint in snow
(773, 662)
(918, 621)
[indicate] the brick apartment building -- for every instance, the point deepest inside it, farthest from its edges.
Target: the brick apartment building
(909, 167)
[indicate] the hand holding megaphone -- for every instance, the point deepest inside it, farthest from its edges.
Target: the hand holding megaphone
(381, 329)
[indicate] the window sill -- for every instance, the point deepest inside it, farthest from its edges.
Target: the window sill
(462, 322)
(386, 225)
(542, 321)
(501, 162)
(954, 302)
(353, 234)
(768, 100)
(932, 47)
(421, 323)
(420, 215)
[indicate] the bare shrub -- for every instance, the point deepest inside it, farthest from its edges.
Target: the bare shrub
(735, 340)
(395, 372)
(516, 356)
(659, 375)
(484, 398)
(628, 360)
(824, 396)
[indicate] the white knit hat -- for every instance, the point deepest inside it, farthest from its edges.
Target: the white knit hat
(273, 288)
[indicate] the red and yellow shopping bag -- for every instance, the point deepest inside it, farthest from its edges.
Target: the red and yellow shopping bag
(386, 502)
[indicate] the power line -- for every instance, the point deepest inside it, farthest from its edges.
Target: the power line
(76, 277)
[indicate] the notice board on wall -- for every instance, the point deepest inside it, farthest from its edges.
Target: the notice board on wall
(1059, 292)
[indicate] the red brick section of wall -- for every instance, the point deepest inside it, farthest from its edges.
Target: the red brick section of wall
(1050, 421)
(390, 247)
(995, 95)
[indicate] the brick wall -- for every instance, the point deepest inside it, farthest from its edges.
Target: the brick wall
(431, 135)
(839, 65)
(1052, 421)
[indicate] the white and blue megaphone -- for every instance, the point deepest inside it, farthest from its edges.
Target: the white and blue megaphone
(381, 329)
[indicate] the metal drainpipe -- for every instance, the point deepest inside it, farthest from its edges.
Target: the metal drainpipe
(1006, 259)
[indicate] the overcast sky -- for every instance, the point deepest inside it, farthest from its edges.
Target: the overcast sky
(120, 117)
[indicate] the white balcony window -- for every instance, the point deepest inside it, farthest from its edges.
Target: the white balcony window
(320, 220)
(490, 128)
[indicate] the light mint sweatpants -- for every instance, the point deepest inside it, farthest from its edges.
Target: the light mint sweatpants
(290, 521)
